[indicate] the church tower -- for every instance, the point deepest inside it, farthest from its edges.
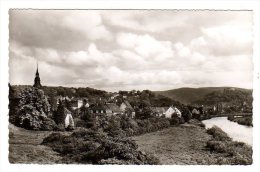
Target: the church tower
(37, 80)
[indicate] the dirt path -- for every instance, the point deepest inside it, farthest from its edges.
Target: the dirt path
(24, 147)
(178, 145)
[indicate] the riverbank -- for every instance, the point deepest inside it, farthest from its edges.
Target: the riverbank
(247, 121)
(234, 130)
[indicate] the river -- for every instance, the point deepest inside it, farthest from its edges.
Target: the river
(234, 130)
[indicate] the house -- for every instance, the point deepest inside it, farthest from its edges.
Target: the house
(195, 112)
(63, 98)
(172, 111)
(113, 109)
(125, 105)
(98, 109)
(214, 108)
(79, 102)
(64, 117)
(198, 113)
(127, 108)
(159, 111)
(114, 96)
(69, 122)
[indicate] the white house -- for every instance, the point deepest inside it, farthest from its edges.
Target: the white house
(78, 103)
(171, 111)
(195, 111)
(69, 120)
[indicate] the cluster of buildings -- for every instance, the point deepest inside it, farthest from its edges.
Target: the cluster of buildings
(109, 108)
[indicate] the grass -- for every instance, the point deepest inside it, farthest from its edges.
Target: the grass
(182, 145)
(191, 144)
(24, 147)
(236, 153)
(187, 144)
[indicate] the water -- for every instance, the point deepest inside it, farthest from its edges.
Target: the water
(234, 130)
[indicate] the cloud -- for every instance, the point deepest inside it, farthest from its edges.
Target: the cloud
(65, 30)
(145, 45)
(90, 23)
(224, 40)
(136, 49)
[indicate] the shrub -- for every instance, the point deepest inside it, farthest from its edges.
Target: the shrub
(218, 134)
(217, 146)
(123, 126)
(236, 153)
(95, 147)
(243, 120)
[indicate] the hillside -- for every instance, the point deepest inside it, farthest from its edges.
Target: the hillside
(234, 97)
(189, 95)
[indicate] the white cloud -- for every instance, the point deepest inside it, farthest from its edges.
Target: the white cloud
(115, 50)
(145, 45)
(224, 40)
(90, 23)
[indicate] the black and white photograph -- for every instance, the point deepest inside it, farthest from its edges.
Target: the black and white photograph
(135, 86)
(139, 87)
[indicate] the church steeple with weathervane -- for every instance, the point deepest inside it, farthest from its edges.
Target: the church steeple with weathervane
(37, 80)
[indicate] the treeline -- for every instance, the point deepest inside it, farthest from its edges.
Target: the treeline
(138, 99)
(233, 96)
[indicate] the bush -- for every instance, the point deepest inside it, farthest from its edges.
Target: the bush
(186, 114)
(59, 127)
(218, 134)
(236, 153)
(123, 126)
(95, 147)
(242, 120)
(218, 146)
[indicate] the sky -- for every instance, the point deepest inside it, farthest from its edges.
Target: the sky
(131, 49)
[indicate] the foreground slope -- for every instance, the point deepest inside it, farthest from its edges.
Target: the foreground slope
(25, 147)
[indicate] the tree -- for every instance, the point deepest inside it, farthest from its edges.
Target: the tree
(144, 113)
(34, 110)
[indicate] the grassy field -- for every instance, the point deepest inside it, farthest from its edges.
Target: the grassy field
(188, 144)
(177, 145)
(24, 147)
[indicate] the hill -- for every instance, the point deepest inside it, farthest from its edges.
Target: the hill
(233, 97)
(189, 95)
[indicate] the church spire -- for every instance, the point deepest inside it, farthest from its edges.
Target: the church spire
(37, 69)
(37, 80)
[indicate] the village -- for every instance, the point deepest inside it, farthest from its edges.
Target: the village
(102, 121)
(65, 108)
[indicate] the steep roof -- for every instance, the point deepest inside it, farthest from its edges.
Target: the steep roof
(98, 107)
(159, 109)
(128, 105)
(113, 107)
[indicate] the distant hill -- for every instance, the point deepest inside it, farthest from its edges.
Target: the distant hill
(233, 97)
(189, 95)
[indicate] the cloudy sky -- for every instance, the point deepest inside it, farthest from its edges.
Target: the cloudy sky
(131, 49)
